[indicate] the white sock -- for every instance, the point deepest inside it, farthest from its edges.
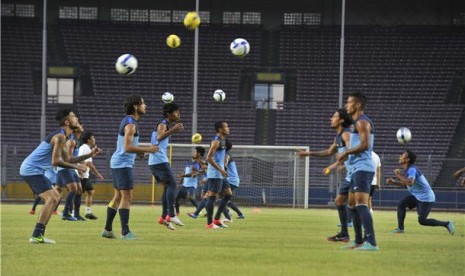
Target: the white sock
(88, 210)
(371, 211)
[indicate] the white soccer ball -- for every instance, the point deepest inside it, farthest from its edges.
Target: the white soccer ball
(404, 135)
(219, 95)
(126, 64)
(240, 47)
(167, 97)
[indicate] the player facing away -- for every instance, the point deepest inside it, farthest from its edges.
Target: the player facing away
(216, 173)
(190, 180)
(88, 140)
(421, 196)
(340, 122)
(121, 163)
(159, 162)
(233, 181)
(50, 152)
(361, 165)
(376, 182)
(69, 178)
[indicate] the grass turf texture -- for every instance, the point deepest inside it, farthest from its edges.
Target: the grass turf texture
(274, 242)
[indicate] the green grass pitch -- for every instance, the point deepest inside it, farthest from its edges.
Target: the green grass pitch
(276, 241)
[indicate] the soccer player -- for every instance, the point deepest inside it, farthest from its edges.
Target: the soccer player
(376, 183)
(233, 180)
(340, 122)
(122, 162)
(421, 195)
(88, 140)
(51, 152)
(193, 169)
(69, 178)
(159, 163)
(216, 173)
(361, 165)
(458, 173)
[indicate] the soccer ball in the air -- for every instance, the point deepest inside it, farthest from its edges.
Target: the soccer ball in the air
(192, 20)
(173, 41)
(167, 97)
(219, 95)
(196, 138)
(404, 135)
(240, 47)
(126, 64)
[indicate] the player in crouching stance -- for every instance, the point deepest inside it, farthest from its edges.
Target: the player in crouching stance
(421, 195)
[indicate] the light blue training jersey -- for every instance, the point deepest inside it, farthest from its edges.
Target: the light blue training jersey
(361, 161)
(212, 172)
(341, 148)
(40, 159)
(120, 158)
(420, 189)
(233, 175)
(161, 156)
(189, 181)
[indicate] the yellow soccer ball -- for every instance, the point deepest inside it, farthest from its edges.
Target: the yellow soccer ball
(196, 138)
(192, 20)
(173, 41)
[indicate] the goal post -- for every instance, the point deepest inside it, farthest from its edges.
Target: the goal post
(269, 175)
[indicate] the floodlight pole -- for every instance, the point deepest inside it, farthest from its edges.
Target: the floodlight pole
(44, 72)
(196, 72)
(341, 59)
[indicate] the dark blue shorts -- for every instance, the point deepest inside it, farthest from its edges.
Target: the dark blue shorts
(123, 178)
(38, 183)
(344, 187)
(67, 176)
(361, 182)
(205, 187)
(184, 191)
(87, 184)
(215, 184)
(162, 173)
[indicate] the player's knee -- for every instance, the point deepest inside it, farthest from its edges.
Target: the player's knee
(422, 220)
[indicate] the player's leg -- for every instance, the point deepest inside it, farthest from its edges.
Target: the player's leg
(362, 185)
(78, 199)
(88, 188)
(190, 194)
(112, 208)
(124, 210)
(227, 194)
(341, 205)
(423, 210)
(181, 194)
(36, 202)
(408, 201)
(40, 185)
(214, 186)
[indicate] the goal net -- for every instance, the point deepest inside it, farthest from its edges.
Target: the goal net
(269, 175)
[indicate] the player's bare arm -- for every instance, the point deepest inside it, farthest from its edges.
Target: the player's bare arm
(163, 131)
(60, 156)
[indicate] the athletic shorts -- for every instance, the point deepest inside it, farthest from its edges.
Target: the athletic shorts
(87, 184)
(344, 187)
(162, 173)
(361, 182)
(184, 191)
(67, 176)
(123, 178)
(38, 183)
(215, 184)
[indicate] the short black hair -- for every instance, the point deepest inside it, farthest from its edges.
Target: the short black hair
(62, 115)
(360, 98)
(130, 102)
(411, 156)
(345, 116)
(228, 144)
(200, 150)
(219, 125)
(85, 137)
(169, 108)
